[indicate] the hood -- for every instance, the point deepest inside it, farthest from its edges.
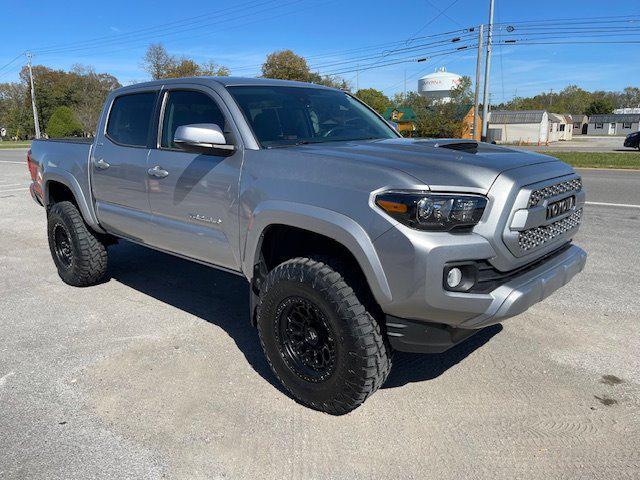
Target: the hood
(436, 163)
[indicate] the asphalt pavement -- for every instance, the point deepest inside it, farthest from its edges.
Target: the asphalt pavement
(584, 143)
(156, 373)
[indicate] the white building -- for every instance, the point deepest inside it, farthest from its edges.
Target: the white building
(438, 85)
(523, 126)
(560, 127)
(627, 110)
(614, 124)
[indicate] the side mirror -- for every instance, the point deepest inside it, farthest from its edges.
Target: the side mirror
(202, 138)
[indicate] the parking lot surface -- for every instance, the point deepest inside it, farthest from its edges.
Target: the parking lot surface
(156, 373)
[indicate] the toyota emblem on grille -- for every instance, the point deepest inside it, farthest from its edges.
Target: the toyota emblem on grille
(561, 206)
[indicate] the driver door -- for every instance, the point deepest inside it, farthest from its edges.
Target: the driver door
(193, 196)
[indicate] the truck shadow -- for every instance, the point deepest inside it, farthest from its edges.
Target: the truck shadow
(222, 299)
(217, 297)
(419, 367)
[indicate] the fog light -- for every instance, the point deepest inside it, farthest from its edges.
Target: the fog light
(454, 277)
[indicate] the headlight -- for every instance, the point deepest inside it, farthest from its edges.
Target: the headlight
(433, 211)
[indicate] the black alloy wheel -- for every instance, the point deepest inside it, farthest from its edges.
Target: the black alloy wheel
(323, 345)
(305, 340)
(62, 246)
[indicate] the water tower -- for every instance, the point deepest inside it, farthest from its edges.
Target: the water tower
(437, 86)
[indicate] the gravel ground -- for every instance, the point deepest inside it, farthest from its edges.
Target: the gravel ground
(156, 373)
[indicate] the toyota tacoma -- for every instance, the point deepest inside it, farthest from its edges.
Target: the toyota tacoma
(355, 242)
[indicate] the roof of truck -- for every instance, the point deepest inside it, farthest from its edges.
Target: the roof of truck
(227, 82)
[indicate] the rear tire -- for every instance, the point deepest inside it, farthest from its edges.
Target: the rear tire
(320, 341)
(79, 255)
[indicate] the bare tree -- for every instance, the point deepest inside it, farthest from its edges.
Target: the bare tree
(157, 62)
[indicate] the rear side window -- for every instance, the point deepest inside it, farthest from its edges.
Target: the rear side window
(186, 108)
(130, 119)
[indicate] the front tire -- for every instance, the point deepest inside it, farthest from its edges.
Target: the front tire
(320, 341)
(79, 255)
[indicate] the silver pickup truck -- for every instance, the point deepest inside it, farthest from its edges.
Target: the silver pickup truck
(355, 241)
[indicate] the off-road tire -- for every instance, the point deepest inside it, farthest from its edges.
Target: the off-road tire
(362, 360)
(88, 253)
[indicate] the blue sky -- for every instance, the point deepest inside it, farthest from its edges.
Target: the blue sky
(112, 37)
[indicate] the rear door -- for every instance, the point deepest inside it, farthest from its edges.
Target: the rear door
(119, 165)
(194, 205)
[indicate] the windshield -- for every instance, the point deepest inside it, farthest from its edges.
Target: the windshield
(281, 116)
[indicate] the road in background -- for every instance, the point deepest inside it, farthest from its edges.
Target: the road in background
(583, 143)
(156, 373)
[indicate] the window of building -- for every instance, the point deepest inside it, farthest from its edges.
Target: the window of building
(626, 125)
(130, 119)
(576, 124)
(599, 126)
(562, 127)
(186, 108)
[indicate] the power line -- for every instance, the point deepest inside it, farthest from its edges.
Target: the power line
(152, 31)
(365, 48)
(175, 32)
(11, 61)
(585, 42)
(563, 21)
(441, 13)
(399, 51)
(371, 66)
(420, 72)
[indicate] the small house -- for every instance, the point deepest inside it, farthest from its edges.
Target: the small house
(518, 126)
(403, 117)
(614, 124)
(580, 123)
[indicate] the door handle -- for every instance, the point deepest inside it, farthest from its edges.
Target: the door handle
(157, 172)
(101, 164)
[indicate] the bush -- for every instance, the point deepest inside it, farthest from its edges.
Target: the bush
(63, 123)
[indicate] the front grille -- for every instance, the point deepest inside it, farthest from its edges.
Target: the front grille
(534, 237)
(549, 191)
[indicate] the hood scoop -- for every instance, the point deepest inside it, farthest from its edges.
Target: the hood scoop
(463, 146)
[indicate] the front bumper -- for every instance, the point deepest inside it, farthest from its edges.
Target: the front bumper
(524, 291)
(508, 300)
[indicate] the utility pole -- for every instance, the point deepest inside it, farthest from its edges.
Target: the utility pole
(476, 96)
(487, 72)
(33, 98)
(405, 84)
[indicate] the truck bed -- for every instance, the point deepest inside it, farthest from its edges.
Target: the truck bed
(66, 160)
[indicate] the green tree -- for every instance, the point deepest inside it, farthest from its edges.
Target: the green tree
(82, 89)
(53, 88)
(599, 106)
(159, 64)
(374, 98)
(286, 65)
(15, 114)
(63, 123)
(461, 93)
(437, 119)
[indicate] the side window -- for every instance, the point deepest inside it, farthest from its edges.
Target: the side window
(186, 108)
(130, 118)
